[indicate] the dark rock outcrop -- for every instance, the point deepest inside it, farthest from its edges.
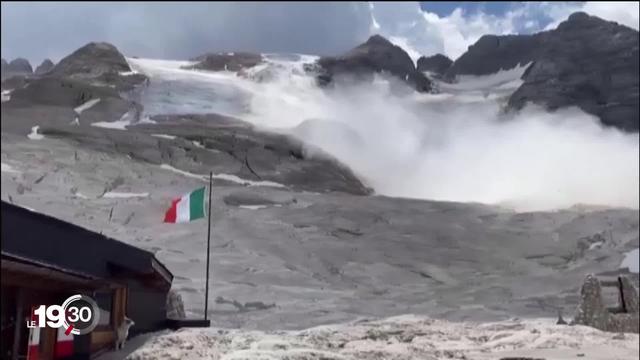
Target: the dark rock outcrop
(99, 64)
(226, 61)
(437, 64)
(45, 67)
(92, 60)
(586, 62)
(376, 55)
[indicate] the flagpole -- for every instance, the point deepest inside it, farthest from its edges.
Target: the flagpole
(206, 292)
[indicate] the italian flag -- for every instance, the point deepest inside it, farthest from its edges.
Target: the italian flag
(186, 208)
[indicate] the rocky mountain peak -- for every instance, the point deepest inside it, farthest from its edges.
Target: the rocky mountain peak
(20, 65)
(92, 60)
(44, 67)
(376, 55)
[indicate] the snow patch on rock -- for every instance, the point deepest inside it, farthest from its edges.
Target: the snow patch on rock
(86, 106)
(118, 125)
(632, 261)
(33, 135)
(6, 168)
(164, 136)
(120, 195)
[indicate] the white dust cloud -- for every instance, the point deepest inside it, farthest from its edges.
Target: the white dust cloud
(457, 145)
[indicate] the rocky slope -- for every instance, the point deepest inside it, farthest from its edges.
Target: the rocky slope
(586, 62)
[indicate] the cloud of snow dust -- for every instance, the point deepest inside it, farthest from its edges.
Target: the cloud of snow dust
(457, 145)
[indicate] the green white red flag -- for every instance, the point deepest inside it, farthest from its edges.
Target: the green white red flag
(186, 208)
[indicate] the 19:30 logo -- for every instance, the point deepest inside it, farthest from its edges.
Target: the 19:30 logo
(79, 315)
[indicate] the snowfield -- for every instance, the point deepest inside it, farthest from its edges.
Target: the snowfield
(405, 337)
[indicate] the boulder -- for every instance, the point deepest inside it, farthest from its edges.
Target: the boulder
(226, 61)
(437, 64)
(591, 310)
(175, 306)
(376, 55)
(586, 62)
(45, 67)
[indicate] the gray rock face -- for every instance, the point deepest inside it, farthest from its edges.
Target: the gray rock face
(437, 64)
(591, 311)
(586, 62)
(376, 55)
(226, 61)
(215, 143)
(630, 295)
(45, 67)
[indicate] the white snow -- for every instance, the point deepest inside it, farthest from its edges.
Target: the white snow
(402, 337)
(33, 135)
(81, 195)
(227, 177)
(596, 245)
(116, 195)
(5, 95)
(198, 144)
(164, 136)
(253, 207)
(6, 168)
(128, 73)
(505, 79)
(86, 106)
(242, 181)
(632, 261)
(118, 125)
(147, 120)
(182, 172)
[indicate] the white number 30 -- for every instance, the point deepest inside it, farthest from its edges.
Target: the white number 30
(83, 314)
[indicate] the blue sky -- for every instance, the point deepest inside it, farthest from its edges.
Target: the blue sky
(445, 8)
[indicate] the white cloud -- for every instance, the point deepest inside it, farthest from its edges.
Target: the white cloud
(622, 12)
